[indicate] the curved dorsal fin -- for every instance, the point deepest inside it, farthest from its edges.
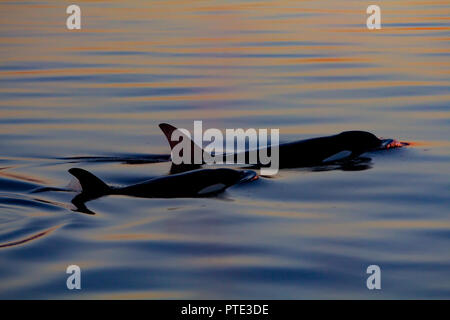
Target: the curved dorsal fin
(168, 130)
(89, 183)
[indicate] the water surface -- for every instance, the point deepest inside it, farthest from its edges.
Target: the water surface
(309, 68)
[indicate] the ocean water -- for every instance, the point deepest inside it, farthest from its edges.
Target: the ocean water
(309, 68)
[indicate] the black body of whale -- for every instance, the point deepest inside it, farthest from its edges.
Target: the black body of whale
(196, 183)
(344, 146)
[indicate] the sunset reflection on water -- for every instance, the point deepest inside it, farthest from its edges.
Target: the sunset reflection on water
(309, 68)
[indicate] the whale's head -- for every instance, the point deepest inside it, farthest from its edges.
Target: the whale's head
(358, 141)
(361, 141)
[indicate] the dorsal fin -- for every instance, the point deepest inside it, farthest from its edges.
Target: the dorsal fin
(168, 130)
(90, 184)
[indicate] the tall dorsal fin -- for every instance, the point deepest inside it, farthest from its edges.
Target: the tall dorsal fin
(168, 131)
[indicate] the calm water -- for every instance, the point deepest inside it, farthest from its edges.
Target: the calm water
(308, 68)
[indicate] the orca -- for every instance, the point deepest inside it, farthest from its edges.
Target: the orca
(339, 148)
(191, 184)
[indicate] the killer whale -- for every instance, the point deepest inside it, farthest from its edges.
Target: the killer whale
(343, 147)
(191, 184)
